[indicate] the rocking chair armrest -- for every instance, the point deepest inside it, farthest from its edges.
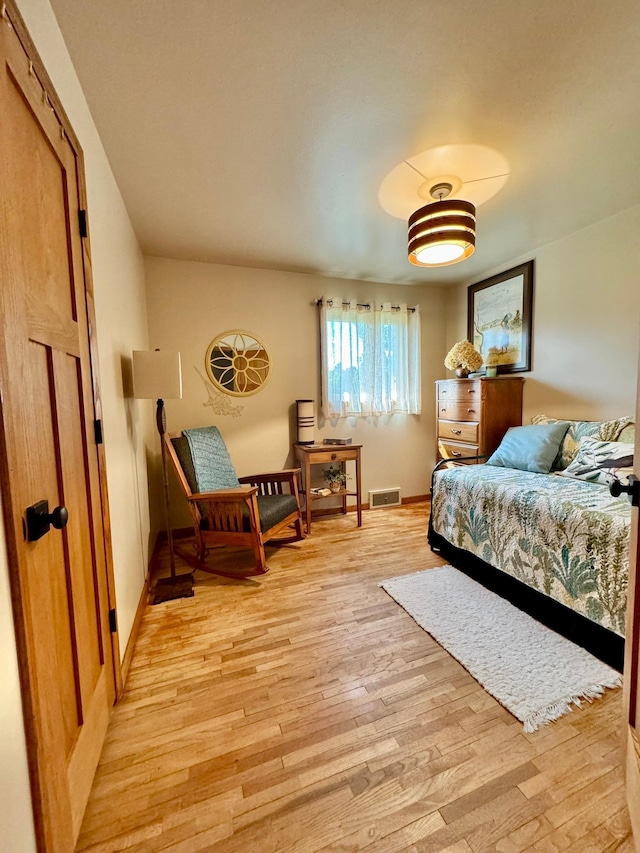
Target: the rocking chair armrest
(239, 493)
(285, 476)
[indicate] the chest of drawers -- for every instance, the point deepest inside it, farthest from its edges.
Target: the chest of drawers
(474, 414)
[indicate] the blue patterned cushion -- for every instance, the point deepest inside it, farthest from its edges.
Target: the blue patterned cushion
(596, 461)
(212, 465)
(602, 430)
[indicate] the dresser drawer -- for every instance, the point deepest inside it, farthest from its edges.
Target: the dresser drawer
(459, 389)
(454, 450)
(459, 410)
(458, 430)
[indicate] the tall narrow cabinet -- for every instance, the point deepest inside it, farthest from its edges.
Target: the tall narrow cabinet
(474, 414)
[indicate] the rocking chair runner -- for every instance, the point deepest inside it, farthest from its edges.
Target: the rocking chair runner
(245, 511)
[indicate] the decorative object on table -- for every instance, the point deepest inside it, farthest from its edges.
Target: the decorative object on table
(237, 362)
(534, 672)
(499, 316)
(463, 358)
(306, 421)
(228, 510)
(335, 477)
(219, 403)
(158, 375)
(339, 441)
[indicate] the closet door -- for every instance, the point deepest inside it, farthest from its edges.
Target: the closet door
(632, 658)
(49, 460)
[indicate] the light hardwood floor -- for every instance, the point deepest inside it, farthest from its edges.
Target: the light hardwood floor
(305, 711)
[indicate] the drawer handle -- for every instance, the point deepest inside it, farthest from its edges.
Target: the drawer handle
(443, 409)
(471, 410)
(456, 431)
(456, 453)
(334, 456)
(471, 390)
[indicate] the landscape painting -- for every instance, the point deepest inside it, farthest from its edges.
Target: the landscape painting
(499, 319)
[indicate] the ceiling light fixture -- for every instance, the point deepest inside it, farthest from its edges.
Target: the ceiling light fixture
(442, 232)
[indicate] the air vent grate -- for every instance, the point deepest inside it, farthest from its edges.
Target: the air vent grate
(379, 498)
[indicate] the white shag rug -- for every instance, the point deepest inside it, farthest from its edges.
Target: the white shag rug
(534, 672)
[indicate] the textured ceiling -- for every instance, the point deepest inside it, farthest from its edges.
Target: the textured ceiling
(257, 134)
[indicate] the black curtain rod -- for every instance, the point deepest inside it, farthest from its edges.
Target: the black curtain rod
(365, 305)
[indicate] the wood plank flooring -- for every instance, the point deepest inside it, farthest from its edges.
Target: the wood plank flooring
(304, 711)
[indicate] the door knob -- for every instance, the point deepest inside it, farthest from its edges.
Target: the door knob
(617, 487)
(59, 517)
(39, 519)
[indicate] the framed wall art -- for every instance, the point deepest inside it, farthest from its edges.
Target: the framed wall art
(499, 319)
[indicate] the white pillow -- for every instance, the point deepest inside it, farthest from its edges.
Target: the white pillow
(600, 461)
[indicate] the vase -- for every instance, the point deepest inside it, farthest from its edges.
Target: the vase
(462, 372)
(335, 486)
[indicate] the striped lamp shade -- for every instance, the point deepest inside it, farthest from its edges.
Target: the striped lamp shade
(306, 421)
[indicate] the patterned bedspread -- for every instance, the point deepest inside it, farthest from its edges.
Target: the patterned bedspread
(566, 538)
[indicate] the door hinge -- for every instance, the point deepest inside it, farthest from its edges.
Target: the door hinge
(113, 622)
(97, 426)
(82, 222)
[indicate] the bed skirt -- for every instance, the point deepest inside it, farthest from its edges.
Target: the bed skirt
(601, 642)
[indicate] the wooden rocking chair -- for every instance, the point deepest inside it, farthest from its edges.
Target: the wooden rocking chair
(245, 511)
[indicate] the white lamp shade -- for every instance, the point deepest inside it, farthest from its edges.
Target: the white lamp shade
(157, 375)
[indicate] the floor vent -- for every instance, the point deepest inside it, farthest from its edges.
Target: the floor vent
(379, 498)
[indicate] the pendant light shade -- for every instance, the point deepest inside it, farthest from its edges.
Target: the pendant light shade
(443, 232)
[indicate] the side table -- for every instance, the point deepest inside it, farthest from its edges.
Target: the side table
(323, 454)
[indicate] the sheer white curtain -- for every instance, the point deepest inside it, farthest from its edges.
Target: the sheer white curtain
(370, 359)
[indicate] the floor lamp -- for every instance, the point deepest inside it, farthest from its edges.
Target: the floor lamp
(157, 376)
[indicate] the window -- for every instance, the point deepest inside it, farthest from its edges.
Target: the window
(370, 359)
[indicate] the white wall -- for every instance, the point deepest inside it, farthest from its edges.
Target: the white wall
(122, 326)
(586, 317)
(190, 303)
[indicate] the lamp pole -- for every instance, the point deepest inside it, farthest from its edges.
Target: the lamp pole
(161, 423)
(158, 375)
(175, 586)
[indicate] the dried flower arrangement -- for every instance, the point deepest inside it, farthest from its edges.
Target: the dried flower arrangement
(463, 354)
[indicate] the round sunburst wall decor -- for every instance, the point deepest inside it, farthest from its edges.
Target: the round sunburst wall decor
(237, 363)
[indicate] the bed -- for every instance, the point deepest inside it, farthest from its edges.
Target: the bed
(556, 546)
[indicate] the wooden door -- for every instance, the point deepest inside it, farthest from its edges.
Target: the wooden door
(632, 659)
(48, 444)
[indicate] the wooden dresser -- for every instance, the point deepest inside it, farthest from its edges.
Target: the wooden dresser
(474, 414)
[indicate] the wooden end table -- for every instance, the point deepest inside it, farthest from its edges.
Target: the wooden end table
(326, 454)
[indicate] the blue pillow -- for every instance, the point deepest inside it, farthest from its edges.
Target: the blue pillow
(530, 448)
